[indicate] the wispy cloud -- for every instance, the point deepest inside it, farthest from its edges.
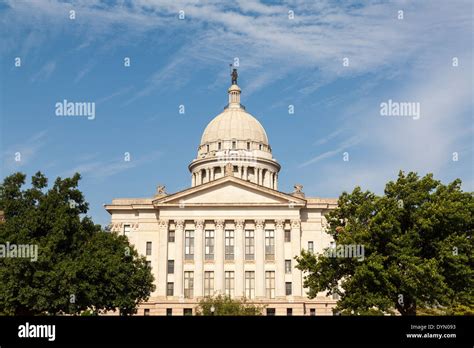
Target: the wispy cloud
(354, 140)
(101, 169)
(44, 72)
(21, 154)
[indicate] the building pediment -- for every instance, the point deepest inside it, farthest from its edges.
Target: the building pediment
(229, 191)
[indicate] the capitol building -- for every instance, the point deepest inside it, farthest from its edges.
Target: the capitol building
(232, 232)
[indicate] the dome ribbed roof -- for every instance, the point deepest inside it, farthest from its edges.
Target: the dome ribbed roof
(234, 124)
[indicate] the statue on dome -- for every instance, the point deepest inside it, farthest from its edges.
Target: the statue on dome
(234, 75)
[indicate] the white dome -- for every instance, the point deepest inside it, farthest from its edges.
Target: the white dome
(234, 124)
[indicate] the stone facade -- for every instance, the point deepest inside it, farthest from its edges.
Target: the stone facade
(232, 232)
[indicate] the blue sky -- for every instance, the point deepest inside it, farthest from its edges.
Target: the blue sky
(283, 61)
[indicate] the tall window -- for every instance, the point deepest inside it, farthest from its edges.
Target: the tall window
(248, 145)
(249, 245)
(169, 311)
(287, 266)
(208, 283)
(188, 284)
(170, 289)
(209, 245)
(148, 248)
(171, 235)
(229, 244)
(310, 246)
(249, 284)
(234, 145)
(289, 311)
(146, 312)
(170, 266)
(270, 284)
(126, 230)
(189, 245)
(219, 146)
(287, 237)
(312, 311)
(269, 245)
(288, 290)
(229, 283)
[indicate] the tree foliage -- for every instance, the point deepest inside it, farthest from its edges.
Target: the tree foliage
(418, 247)
(79, 266)
(225, 305)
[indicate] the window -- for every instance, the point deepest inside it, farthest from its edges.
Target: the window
(209, 245)
(148, 248)
(169, 312)
(233, 145)
(208, 283)
(207, 148)
(148, 264)
(270, 284)
(249, 284)
(288, 288)
(287, 236)
(287, 266)
(189, 245)
(249, 245)
(171, 236)
(170, 289)
(310, 246)
(229, 244)
(312, 312)
(271, 311)
(187, 311)
(229, 283)
(269, 245)
(260, 146)
(146, 312)
(126, 230)
(248, 145)
(289, 312)
(170, 266)
(219, 146)
(188, 284)
(335, 295)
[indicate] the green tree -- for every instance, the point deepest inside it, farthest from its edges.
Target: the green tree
(418, 248)
(225, 305)
(79, 267)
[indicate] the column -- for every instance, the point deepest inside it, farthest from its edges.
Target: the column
(296, 250)
(239, 172)
(239, 258)
(219, 255)
(280, 258)
(198, 257)
(245, 173)
(162, 277)
(259, 259)
(276, 182)
(208, 175)
(193, 180)
(212, 173)
(198, 178)
(178, 262)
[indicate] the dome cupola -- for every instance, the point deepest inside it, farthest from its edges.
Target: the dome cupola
(235, 136)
